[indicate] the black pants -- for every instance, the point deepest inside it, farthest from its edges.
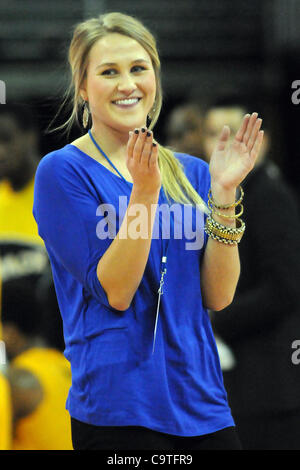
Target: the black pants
(89, 437)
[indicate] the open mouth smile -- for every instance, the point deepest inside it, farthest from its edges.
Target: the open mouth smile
(127, 103)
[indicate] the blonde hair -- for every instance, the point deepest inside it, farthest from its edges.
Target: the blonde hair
(85, 35)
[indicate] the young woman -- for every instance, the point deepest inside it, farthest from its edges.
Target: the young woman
(145, 368)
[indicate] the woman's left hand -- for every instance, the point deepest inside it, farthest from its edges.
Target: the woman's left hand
(229, 166)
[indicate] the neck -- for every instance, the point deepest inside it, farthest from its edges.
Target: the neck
(113, 143)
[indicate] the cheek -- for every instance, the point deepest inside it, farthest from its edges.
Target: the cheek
(99, 95)
(98, 89)
(149, 85)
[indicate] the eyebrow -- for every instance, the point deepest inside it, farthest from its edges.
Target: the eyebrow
(106, 64)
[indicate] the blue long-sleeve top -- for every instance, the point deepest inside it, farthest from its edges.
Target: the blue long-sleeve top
(117, 378)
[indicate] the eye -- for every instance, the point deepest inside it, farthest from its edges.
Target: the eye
(138, 68)
(134, 69)
(108, 72)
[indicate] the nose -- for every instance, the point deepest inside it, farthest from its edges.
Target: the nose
(127, 84)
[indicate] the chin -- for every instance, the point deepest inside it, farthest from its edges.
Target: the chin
(130, 124)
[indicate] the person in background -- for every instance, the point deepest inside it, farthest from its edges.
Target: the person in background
(212, 122)
(264, 318)
(22, 251)
(39, 376)
(184, 129)
(19, 157)
(5, 413)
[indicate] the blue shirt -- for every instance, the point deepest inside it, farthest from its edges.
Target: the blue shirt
(117, 379)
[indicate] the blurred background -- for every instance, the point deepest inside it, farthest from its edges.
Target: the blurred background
(239, 50)
(205, 46)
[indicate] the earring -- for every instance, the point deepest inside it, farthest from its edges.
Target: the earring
(85, 115)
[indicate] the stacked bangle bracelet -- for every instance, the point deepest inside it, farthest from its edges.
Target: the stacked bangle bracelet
(228, 206)
(222, 233)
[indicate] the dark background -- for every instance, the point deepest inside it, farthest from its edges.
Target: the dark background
(207, 47)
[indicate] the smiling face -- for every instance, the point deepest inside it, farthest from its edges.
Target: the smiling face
(120, 85)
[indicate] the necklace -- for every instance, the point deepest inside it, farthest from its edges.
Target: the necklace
(105, 156)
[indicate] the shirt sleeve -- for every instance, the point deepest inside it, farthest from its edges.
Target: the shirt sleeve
(65, 211)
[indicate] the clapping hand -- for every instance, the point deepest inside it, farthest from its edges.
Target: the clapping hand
(230, 164)
(142, 161)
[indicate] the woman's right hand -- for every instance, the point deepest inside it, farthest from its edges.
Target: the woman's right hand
(142, 161)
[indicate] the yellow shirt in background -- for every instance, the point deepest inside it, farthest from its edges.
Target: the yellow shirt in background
(16, 218)
(5, 414)
(49, 426)
(22, 250)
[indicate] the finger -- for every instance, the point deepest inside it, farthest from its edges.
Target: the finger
(153, 160)
(240, 133)
(133, 135)
(254, 134)
(257, 145)
(250, 126)
(146, 152)
(223, 139)
(139, 144)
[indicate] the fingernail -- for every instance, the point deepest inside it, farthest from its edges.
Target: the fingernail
(148, 134)
(143, 129)
(136, 131)
(154, 144)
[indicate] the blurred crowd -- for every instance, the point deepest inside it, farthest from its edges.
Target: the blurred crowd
(34, 375)
(254, 334)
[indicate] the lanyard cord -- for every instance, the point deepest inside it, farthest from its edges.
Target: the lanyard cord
(161, 283)
(160, 293)
(101, 151)
(165, 250)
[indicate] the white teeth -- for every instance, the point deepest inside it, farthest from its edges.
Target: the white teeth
(127, 102)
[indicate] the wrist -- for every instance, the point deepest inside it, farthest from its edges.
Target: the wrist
(223, 196)
(225, 205)
(143, 196)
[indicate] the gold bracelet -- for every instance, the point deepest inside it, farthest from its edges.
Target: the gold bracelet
(232, 234)
(239, 229)
(222, 233)
(227, 233)
(233, 216)
(221, 239)
(226, 206)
